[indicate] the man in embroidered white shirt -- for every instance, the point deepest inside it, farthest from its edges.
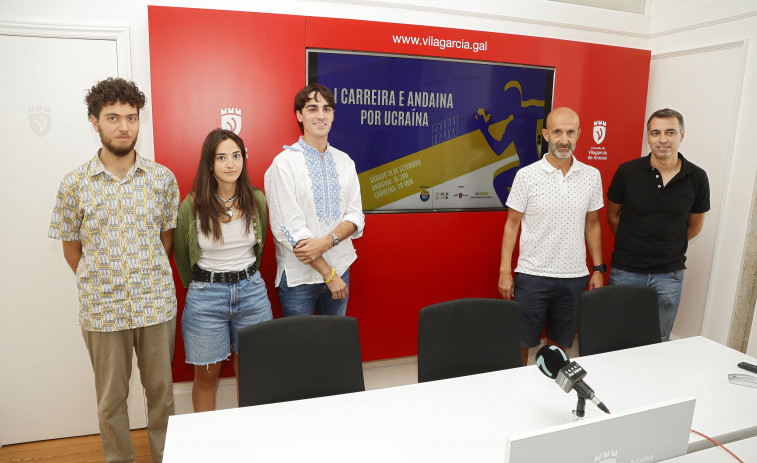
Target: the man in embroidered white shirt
(557, 202)
(315, 212)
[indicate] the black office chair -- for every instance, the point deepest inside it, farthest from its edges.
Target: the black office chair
(467, 336)
(617, 317)
(299, 357)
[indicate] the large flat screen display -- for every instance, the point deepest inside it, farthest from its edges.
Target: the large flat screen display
(430, 134)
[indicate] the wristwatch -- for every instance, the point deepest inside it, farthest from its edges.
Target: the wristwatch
(336, 238)
(601, 268)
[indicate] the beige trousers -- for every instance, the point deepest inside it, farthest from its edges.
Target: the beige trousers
(111, 356)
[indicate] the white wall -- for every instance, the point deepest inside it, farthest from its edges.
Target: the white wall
(711, 121)
(680, 25)
(47, 70)
(752, 346)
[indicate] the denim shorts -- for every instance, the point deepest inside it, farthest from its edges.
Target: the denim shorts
(549, 304)
(214, 314)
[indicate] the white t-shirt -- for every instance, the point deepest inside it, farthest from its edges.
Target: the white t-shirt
(235, 253)
(554, 208)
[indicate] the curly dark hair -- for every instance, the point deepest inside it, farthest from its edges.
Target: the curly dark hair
(113, 90)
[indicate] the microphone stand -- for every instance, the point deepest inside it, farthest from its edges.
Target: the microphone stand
(578, 413)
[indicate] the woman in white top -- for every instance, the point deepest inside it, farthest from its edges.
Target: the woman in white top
(218, 245)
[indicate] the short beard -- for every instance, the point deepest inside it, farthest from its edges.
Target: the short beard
(556, 153)
(120, 152)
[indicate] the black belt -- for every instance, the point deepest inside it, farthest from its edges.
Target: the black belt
(223, 277)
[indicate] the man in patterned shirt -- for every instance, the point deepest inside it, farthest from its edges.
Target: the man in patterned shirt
(115, 215)
(315, 211)
(557, 201)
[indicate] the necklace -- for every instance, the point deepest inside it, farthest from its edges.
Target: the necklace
(229, 212)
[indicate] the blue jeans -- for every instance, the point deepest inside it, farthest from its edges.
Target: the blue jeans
(306, 299)
(668, 286)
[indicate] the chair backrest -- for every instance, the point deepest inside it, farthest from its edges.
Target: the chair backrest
(299, 357)
(617, 317)
(467, 336)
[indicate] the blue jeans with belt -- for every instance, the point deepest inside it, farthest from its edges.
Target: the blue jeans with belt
(311, 298)
(668, 286)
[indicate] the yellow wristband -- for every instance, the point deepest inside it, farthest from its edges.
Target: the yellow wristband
(331, 277)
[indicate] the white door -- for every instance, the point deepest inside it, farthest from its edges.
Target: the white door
(703, 84)
(46, 380)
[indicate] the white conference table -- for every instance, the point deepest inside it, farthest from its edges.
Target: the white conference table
(469, 418)
(745, 449)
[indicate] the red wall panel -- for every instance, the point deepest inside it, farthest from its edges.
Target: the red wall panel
(203, 60)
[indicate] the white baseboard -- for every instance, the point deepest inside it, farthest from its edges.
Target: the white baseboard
(378, 374)
(226, 396)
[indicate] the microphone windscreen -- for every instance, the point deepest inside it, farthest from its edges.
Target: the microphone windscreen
(550, 359)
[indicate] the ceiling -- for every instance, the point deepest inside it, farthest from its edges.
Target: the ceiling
(628, 6)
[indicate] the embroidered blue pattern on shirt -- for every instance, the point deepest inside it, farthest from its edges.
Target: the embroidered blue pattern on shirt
(288, 235)
(325, 180)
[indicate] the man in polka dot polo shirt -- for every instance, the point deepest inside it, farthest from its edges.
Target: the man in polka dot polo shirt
(557, 202)
(655, 205)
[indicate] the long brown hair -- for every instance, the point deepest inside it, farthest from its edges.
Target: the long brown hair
(206, 204)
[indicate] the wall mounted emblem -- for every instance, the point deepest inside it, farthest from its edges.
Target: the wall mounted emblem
(40, 120)
(600, 130)
(231, 119)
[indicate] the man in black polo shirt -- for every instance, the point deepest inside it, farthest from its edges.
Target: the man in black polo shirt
(656, 204)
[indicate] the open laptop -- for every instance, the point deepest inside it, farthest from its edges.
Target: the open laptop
(642, 435)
